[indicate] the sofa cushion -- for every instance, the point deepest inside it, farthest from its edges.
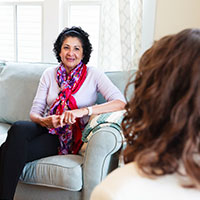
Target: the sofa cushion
(96, 122)
(60, 171)
(111, 119)
(120, 80)
(2, 64)
(3, 131)
(19, 82)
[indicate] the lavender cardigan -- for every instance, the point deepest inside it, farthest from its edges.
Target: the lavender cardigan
(96, 81)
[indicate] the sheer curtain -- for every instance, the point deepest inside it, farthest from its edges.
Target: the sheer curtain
(120, 34)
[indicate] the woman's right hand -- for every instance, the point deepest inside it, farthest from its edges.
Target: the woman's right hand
(52, 121)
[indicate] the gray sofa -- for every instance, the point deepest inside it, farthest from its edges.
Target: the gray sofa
(58, 177)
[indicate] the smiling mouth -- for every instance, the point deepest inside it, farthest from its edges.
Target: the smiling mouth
(70, 59)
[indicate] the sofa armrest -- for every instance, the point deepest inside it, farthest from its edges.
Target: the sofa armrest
(99, 157)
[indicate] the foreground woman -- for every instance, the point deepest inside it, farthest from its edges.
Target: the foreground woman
(161, 126)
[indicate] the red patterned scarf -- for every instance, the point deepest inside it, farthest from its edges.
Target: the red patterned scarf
(69, 135)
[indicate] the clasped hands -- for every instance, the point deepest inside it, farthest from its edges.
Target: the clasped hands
(68, 117)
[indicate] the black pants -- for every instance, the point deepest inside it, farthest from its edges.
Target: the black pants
(26, 141)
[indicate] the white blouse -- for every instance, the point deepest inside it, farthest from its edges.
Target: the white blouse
(126, 183)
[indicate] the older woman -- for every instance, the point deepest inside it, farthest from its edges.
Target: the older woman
(64, 101)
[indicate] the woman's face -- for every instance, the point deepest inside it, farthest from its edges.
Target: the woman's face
(71, 53)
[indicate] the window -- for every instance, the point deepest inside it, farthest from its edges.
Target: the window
(21, 32)
(7, 33)
(86, 14)
(28, 28)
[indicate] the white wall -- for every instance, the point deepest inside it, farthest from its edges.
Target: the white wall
(174, 15)
(148, 23)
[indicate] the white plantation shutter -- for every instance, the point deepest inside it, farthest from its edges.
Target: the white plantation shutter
(87, 16)
(7, 48)
(19, 1)
(21, 32)
(29, 33)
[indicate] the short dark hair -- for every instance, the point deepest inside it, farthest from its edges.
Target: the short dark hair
(79, 33)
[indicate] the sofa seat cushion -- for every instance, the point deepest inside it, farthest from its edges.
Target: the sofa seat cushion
(60, 171)
(3, 131)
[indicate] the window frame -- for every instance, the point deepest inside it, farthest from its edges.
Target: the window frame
(68, 3)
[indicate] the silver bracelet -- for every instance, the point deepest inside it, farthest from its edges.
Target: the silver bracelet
(89, 110)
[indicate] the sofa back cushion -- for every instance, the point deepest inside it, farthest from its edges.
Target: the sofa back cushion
(120, 79)
(18, 85)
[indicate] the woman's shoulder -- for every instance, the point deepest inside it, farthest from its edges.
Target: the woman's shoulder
(123, 173)
(126, 183)
(49, 72)
(92, 69)
(115, 185)
(50, 69)
(94, 72)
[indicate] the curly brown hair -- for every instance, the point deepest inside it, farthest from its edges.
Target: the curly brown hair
(162, 122)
